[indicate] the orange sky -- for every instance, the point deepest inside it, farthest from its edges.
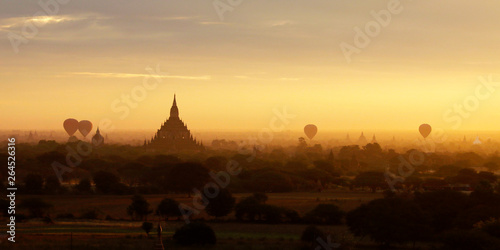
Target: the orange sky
(231, 73)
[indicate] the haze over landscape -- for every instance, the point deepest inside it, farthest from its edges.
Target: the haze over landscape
(238, 124)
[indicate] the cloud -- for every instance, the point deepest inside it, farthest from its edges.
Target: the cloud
(278, 23)
(129, 75)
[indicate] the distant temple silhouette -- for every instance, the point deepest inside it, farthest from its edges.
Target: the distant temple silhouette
(173, 135)
(362, 140)
(97, 139)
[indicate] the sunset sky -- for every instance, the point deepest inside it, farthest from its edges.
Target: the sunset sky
(231, 73)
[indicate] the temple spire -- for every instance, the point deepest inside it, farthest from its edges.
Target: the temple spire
(174, 111)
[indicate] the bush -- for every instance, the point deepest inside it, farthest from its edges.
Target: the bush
(195, 234)
(147, 226)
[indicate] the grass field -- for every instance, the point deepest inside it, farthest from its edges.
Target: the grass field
(115, 206)
(125, 234)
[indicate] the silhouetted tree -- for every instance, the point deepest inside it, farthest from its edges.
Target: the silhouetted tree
(168, 208)
(139, 209)
(250, 207)
(266, 180)
(466, 240)
(389, 220)
(442, 207)
(221, 205)
(52, 185)
(184, 177)
(373, 180)
(105, 182)
(33, 183)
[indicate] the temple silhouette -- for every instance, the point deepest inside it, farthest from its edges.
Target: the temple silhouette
(174, 135)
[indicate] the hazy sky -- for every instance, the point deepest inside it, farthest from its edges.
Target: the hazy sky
(231, 73)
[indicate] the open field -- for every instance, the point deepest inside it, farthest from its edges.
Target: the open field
(128, 235)
(125, 234)
(116, 205)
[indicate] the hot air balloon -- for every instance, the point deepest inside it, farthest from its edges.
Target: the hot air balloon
(71, 126)
(425, 130)
(310, 130)
(84, 127)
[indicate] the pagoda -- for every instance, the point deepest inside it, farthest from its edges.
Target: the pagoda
(174, 135)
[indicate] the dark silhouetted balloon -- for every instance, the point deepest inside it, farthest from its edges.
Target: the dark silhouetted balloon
(71, 126)
(84, 127)
(425, 130)
(310, 130)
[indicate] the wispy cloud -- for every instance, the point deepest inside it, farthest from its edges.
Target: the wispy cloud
(129, 75)
(245, 77)
(39, 21)
(277, 23)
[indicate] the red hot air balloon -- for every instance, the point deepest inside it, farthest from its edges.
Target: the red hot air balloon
(310, 130)
(84, 127)
(71, 126)
(425, 130)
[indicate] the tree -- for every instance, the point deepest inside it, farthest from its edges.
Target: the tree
(249, 207)
(107, 182)
(168, 208)
(52, 185)
(466, 240)
(36, 207)
(184, 177)
(253, 208)
(33, 183)
(147, 226)
(269, 181)
(139, 209)
(325, 214)
(389, 220)
(373, 180)
(442, 208)
(195, 234)
(221, 205)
